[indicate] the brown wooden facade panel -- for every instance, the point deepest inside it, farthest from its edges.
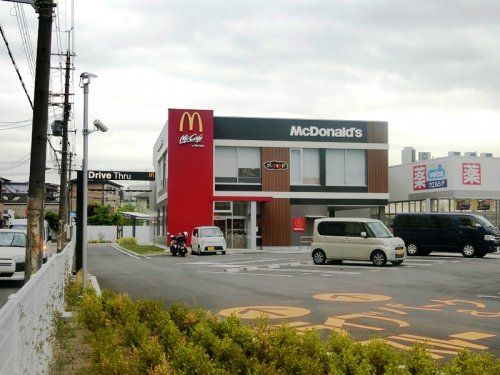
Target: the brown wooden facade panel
(275, 180)
(378, 171)
(275, 223)
(377, 132)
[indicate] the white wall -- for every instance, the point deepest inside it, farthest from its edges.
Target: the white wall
(108, 233)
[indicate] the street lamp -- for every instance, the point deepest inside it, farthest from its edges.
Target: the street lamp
(84, 83)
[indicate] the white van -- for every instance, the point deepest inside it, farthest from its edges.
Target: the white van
(12, 254)
(339, 239)
(207, 240)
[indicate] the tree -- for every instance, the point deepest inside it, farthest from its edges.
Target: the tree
(53, 220)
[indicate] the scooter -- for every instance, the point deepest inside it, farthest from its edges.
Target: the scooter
(181, 244)
(178, 244)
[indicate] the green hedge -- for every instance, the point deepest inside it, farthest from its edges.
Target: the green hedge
(124, 241)
(142, 337)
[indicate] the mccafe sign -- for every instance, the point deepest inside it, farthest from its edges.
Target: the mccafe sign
(188, 132)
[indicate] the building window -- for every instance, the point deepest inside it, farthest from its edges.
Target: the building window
(304, 166)
(237, 165)
(223, 207)
(345, 168)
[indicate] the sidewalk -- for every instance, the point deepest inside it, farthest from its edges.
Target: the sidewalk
(268, 250)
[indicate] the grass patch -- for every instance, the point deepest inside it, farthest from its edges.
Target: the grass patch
(144, 249)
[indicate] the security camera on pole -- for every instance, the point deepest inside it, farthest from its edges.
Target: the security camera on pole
(84, 83)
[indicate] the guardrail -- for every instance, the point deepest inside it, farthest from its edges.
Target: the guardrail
(27, 319)
(305, 241)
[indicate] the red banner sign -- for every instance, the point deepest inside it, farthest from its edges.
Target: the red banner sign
(299, 224)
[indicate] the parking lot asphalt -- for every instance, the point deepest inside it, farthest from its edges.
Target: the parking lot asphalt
(444, 299)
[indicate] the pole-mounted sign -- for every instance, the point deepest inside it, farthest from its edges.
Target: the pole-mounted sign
(120, 176)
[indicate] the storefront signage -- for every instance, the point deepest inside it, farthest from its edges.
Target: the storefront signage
(471, 173)
(193, 138)
(292, 130)
(274, 165)
(483, 205)
(299, 224)
(424, 179)
(314, 131)
(463, 205)
(121, 176)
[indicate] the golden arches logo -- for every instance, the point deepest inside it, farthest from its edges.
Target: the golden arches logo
(151, 176)
(191, 118)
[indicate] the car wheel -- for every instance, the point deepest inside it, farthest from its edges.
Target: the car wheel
(192, 252)
(468, 250)
(397, 262)
(412, 248)
(319, 256)
(378, 258)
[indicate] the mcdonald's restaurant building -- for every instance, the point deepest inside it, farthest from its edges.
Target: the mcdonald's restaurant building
(263, 181)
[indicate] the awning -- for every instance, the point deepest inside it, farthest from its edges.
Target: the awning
(246, 198)
(136, 215)
(315, 216)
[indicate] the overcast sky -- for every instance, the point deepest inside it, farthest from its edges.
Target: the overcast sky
(431, 69)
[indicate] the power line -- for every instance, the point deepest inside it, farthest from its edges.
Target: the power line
(15, 66)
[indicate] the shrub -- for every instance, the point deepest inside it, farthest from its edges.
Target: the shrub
(150, 354)
(468, 363)
(124, 241)
(91, 313)
(192, 359)
(108, 357)
(419, 361)
(141, 337)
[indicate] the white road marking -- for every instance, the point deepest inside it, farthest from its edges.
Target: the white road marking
(484, 296)
(124, 252)
(246, 273)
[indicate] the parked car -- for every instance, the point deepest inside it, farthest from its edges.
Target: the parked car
(205, 240)
(470, 234)
(339, 239)
(13, 254)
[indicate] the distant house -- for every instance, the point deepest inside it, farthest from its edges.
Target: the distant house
(107, 193)
(15, 197)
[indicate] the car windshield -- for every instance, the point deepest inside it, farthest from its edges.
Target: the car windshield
(483, 221)
(12, 239)
(210, 232)
(379, 230)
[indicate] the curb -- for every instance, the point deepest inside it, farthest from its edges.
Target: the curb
(128, 252)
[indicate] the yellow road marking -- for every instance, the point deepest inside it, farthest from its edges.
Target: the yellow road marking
(393, 311)
(471, 335)
(271, 312)
(453, 302)
(482, 314)
(352, 297)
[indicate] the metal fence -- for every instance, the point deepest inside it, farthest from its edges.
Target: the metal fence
(27, 319)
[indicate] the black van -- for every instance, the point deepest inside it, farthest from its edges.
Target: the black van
(471, 234)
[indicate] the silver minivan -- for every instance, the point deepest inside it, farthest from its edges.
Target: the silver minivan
(339, 239)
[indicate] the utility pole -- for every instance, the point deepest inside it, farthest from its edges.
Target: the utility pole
(63, 188)
(36, 192)
(70, 189)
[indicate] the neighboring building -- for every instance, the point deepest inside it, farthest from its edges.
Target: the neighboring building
(15, 197)
(263, 181)
(139, 195)
(99, 193)
(454, 183)
(159, 188)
